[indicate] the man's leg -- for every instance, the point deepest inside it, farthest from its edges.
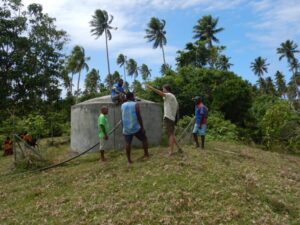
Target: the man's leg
(202, 133)
(102, 147)
(128, 140)
(202, 141)
(128, 153)
(171, 144)
(102, 157)
(143, 138)
(196, 140)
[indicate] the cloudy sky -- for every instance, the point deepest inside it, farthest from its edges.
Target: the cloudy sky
(252, 28)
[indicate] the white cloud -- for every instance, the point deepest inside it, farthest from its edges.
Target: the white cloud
(277, 21)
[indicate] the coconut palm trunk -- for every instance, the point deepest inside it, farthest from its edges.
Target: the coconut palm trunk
(124, 73)
(163, 52)
(107, 57)
(71, 84)
(78, 81)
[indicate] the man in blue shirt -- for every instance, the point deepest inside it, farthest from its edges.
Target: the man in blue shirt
(117, 92)
(133, 125)
(201, 112)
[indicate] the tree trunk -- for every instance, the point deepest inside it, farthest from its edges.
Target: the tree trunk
(77, 94)
(71, 84)
(163, 52)
(124, 73)
(107, 58)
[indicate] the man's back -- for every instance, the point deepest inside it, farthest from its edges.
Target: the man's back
(129, 118)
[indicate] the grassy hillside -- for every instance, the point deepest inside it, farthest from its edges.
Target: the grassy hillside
(240, 186)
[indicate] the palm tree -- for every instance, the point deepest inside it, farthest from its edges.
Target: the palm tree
(262, 85)
(287, 50)
(101, 22)
(280, 84)
(146, 73)
(155, 32)
(270, 87)
(259, 66)
(77, 62)
(165, 69)
(294, 65)
(92, 82)
(132, 68)
(121, 61)
(206, 29)
(223, 63)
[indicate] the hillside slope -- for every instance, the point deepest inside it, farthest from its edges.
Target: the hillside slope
(240, 186)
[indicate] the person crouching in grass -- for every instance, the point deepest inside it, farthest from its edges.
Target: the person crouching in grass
(103, 130)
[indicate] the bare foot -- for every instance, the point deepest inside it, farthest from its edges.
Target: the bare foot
(103, 159)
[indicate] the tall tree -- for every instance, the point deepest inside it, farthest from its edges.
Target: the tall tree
(259, 66)
(280, 84)
(206, 29)
(121, 61)
(145, 71)
(155, 33)
(92, 82)
(132, 68)
(287, 50)
(270, 87)
(101, 22)
(223, 63)
(77, 62)
(31, 58)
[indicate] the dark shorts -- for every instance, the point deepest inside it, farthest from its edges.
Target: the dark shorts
(115, 98)
(139, 135)
(169, 126)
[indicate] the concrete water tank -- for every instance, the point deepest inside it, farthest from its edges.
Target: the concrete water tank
(84, 119)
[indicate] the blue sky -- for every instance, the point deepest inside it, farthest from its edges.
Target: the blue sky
(252, 28)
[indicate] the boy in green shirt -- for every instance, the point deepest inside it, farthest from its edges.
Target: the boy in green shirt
(103, 130)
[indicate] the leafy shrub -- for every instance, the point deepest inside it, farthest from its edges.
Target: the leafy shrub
(280, 124)
(217, 127)
(220, 129)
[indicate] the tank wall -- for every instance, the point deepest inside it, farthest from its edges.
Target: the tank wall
(84, 130)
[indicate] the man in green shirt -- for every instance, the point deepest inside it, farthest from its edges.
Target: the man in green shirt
(103, 130)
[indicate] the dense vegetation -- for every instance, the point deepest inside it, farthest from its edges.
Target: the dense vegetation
(35, 69)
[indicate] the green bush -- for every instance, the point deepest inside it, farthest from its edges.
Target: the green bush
(220, 129)
(280, 126)
(217, 127)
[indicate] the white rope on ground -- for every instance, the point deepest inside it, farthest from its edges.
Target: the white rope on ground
(185, 130)
(65, 161)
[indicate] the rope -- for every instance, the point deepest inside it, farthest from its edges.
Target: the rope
(67, 160)
(77, 156)
(185, 130)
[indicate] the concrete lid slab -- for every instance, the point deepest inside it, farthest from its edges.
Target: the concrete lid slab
(107, 100)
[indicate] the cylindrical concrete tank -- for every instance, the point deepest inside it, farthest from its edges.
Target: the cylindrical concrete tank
(84, 119)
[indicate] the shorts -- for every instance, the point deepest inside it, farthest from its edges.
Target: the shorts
(103, 144)
(139, 135)
(115, 98)
(169, 126)
(200, 131)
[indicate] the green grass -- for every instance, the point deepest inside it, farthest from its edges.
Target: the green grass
(198, 187)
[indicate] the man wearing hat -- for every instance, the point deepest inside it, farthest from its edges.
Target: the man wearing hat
(201, 113)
